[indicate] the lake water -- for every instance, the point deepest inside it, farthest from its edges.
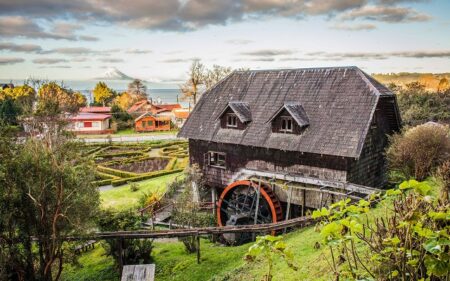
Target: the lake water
(165, 93)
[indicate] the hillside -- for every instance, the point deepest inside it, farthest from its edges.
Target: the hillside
(430, 80)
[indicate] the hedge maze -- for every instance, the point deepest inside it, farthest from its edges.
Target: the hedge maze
(120, 164)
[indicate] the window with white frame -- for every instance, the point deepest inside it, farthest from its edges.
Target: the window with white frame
(287, 124)
(231, 120)
(216, 159)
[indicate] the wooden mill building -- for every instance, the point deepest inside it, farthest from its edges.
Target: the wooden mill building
(323, 128)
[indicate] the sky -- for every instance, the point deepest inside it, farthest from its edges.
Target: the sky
(157, 40)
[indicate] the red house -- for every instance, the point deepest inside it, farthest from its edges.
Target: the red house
(90, 123)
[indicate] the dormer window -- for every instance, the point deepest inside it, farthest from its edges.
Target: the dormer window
(231, 120)
(291, 118)
(286, 124)
(236, 115)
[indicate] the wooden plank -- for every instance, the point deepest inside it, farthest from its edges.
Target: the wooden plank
(313, 181)
(140, 272)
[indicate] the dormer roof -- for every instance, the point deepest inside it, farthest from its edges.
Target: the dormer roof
(296, 111)
(241, 109)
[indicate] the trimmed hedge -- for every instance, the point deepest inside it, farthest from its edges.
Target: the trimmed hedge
(171, 164)
(114, 172)
(144, 177)
(104, 176)
(102, 182)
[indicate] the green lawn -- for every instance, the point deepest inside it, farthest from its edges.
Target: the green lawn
(93, 266)
(218, 262)
(122, 198)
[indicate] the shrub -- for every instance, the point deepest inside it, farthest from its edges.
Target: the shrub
(408, 241)
(268, 247)
(135, 251)
(119, 173)
(144, 177)
(134, 187)
(418, 151)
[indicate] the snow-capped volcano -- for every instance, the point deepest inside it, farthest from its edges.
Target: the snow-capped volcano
(114, 74)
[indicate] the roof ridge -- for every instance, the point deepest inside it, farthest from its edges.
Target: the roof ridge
(301, 68)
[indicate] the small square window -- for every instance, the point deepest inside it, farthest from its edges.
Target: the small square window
(216, 159)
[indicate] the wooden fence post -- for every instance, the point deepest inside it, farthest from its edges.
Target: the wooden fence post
(198, 248)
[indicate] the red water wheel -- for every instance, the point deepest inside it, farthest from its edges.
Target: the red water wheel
(238, 205)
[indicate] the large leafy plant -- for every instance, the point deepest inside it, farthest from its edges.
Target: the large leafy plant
(409, 240)
(268, 247)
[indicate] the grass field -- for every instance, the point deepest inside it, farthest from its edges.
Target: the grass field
(218, 262)
(122, 198)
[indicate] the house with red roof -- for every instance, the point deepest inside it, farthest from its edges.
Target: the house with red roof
(90, 123)
(96, 109)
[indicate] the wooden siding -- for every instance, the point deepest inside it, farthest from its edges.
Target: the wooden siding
(237, 157)
(370, 168)
(152, 124)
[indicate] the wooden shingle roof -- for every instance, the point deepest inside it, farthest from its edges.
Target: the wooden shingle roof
(241, 109)
(339, 103)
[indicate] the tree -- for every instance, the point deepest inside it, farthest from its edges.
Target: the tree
(137, 88)
(23, 96)
(191, 89)
(443, 85)
(214, 75)
(47, 194)
(54, 99)
(102, 93)
(416, 152)
(124, 100)
(80, 99)
(9, 111)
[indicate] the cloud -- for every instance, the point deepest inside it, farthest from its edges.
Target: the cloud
(138, 51)
(111, 60)
(394, 2)
(21, 26)
(185, 15)
(356, 27)
(4, 60)
(88, 38)
(26, 48)
(56, 66)
(386, 14)
(76, 51)
(239, 41)
(178, 60)
(378, 56)
(268, 52)
(48, 61)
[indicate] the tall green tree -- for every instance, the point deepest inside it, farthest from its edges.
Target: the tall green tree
(46, 194)
(102, 93)
(9, 111)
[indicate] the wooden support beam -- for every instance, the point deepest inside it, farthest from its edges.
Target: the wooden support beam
(258, 195)
(304, 202)
(120, 241)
